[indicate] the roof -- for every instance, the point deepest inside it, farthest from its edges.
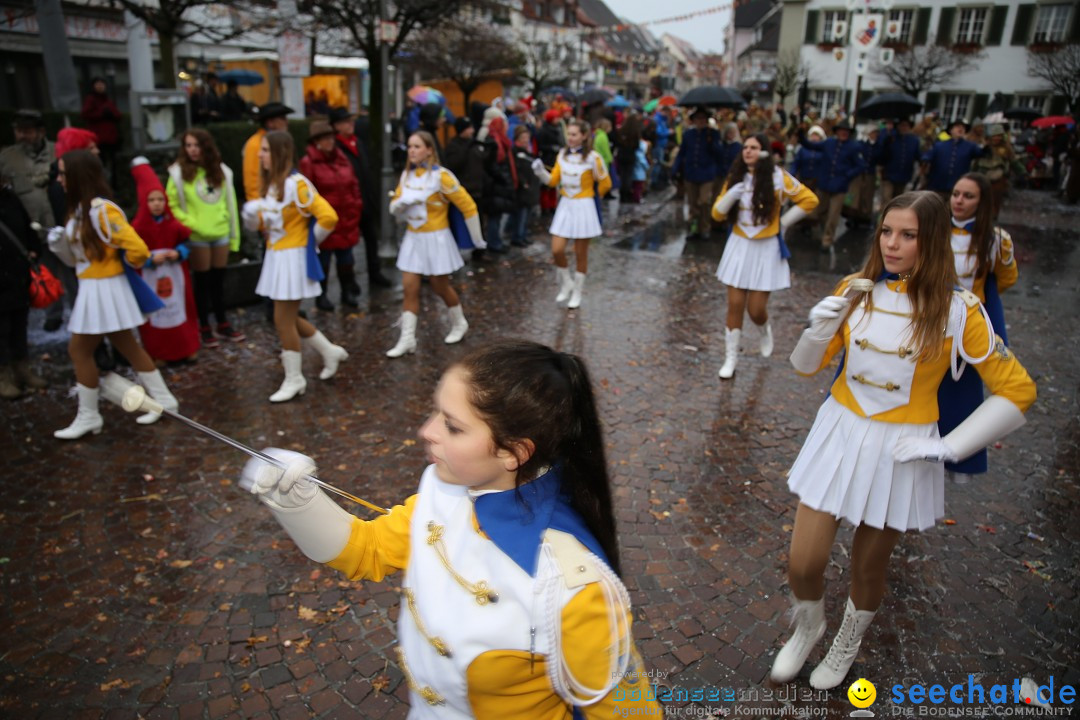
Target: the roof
(750, 14)
(770, 37)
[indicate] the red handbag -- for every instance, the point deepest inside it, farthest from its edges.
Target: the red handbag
(45, 289)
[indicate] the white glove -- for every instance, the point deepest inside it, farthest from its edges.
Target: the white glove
(56, 235)
(249, 214)
(825, 319)
(61, 248)
(473, 223)
(730, 198)
(537, 165)
(995, 418)
(540, 171)
(793, 215)
(317, 524)
(401, 204)
(280, 488)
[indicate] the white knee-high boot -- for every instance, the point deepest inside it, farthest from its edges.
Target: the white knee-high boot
(294, 383)
(332, 354)
(87, 420)
(845, 647)
(157, 389)
(809, 627)
(566, 283)
(578, 289)
(407, 342)
(766, 339)
(458, 325)
(731, 352)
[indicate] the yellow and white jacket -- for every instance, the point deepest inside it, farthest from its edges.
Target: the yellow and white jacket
(785, 186)
(1002, 262)
(112, 228)
(579, 176)
(480, 637)
(423, 196)
(883, 379)
(285, 221)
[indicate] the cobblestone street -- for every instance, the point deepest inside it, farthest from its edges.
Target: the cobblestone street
(139, 580)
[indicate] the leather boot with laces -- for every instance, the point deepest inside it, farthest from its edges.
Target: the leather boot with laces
(845, 648)
(809, 621)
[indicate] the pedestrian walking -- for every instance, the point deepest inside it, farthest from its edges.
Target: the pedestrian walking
(948, 159)
(755, 259)
(696, 166)
(581, 179)
(528, 192)
(499, 198)
(1000, 166)
(842, 162)
(330, 170)
(202, 197)
(897, 154)
(985, 265)
(272, 116)
(528, 617)
(874, 456)
(295, 219)
(422, 199)
(98, 242)
(172, 333)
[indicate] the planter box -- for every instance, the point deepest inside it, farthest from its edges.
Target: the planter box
(1044, 48)
(240, 282)
(967, 48)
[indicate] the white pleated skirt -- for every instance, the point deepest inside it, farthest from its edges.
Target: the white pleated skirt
(284, 276)
(846, 469)
(576, 218)
(104, 305)
(429, 253)
(753, 264)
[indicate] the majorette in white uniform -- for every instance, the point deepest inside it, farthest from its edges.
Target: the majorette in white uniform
(422, 199)
(286, 223)
(753, 258)
(580, 178)
(105, 302)
(1002, 262)
(884, 392)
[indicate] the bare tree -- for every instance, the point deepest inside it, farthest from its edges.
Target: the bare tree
(549, 61)
(922, 67)
(177, 20)
(465, 52)
(1061, 70)
(790, 71)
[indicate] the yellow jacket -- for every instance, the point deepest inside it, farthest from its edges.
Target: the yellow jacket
(285, 222)
(915, 392)
(785, 186)
(578, 177)
(1002, 262)
(434, 213)
(251, 165)
(114, 231)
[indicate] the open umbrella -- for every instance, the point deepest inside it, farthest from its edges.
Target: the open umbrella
(651, 105)
(559, 90)
(422, 95)
(1023, 113)
(713, 96)
(889, 105)
(241, 76)
(596, 95)
(1053, 121)
(618, 102)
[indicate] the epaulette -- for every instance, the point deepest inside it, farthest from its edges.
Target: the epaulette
(574, 560)
(970, 299)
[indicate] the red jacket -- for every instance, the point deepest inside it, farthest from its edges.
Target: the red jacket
(100, 115)
(335, 180)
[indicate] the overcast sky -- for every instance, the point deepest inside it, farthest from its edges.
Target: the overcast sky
(705, 32)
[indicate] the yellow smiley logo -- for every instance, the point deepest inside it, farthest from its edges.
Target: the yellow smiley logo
(862, 693)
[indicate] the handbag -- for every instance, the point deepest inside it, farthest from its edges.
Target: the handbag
(45, 289)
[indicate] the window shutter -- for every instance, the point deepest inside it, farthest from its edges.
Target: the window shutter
(1022, 26)
(997, 24)
(979, 108)
(945, 26)
(812, 18)
(933, 101)
(1074, 31)
(922, 25)
(847, 100)
(1057, 105)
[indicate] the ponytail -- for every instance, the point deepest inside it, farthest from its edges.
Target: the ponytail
(526, 391)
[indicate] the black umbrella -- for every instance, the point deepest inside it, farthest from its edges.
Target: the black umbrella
(596, 95)
(889, 105)
(713, 96)
(1023, 113)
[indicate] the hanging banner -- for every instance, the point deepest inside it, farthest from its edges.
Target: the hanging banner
(839, 30)
(866, 30)
(887, 55)
(294, 54)
(892, 29)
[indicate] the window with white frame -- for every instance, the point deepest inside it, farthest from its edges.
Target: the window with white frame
(906, 19)
(955, 106)
(972, 26)
(824, 100)
(1051, 24)
(1035, 102)
(829, 19)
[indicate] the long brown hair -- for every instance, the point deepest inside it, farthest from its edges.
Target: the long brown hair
(85, 180)
(763, 201)
(282, 152)
(586, 133)
(429, 140)
(209, 158)
(526, 391)
(933, 278)
(982, 233)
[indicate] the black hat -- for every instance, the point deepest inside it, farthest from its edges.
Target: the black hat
(700, 111)
(462, 124)
(960, 121)
(273, 110)
(28, 118)
(842, 125)
(338, 114)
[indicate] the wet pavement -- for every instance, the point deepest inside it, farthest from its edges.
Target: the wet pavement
(140, 582)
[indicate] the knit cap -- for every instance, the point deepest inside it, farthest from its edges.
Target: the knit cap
(71, 138)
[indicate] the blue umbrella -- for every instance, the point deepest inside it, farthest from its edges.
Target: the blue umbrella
(618, 102)
(241, 77)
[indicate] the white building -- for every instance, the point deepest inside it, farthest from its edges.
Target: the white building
(1003, 31)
